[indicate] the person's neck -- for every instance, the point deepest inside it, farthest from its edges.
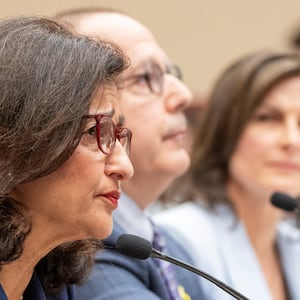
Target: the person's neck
(259, 217)
(15, 276)
(145, 192)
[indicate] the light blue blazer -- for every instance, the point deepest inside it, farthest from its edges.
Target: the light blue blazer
(219, 245)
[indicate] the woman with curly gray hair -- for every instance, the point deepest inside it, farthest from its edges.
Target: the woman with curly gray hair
(63, 154)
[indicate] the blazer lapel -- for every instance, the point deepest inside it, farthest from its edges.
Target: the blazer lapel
(243, 272)
(288, 242)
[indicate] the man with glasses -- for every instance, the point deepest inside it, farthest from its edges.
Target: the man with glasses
(153, 102)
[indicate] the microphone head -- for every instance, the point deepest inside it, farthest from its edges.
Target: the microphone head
(284, 201)
(133, 246)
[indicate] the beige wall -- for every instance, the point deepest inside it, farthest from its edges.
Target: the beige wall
(201, 36)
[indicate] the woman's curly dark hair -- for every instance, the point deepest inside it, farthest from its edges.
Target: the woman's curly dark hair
(48, 77)
(14, 226)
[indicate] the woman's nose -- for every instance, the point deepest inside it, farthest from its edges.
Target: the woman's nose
(119, 164)
(291, 133)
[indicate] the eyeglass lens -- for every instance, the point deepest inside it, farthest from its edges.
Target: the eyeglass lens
(124, 135)
(155, 76)
(107, 133)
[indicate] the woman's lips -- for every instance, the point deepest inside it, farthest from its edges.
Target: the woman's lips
(285, 165)
(113, 197)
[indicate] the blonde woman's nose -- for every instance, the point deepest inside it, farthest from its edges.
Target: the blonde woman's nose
(291, 134)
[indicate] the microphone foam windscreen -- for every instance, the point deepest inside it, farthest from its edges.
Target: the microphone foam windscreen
(284, 201)
(133, 246)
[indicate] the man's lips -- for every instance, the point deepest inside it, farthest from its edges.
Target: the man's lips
(175, 134)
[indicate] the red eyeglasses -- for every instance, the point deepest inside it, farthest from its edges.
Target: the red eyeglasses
(107, 133)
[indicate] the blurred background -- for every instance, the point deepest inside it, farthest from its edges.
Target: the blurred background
(201, 36)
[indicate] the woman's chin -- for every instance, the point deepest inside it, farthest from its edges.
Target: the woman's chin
(180, 163)
(98, 231)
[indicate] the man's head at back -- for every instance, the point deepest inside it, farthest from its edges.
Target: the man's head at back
(153, 100)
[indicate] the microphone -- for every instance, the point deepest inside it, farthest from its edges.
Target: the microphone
(287, 203)
(284, 201)
(140, 248)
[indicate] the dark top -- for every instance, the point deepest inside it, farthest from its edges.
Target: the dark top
(35, 291)
(116, 276)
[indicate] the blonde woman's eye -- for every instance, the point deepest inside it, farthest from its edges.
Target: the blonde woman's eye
(267, 117)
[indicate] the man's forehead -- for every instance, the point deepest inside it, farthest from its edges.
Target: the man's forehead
(113, 26)
(135, 39)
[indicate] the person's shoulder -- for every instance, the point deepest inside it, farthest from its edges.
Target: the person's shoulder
(2, 294)
(111, 258)
(67, 293)
(184, 214)
(116, 276)
(189, 223)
